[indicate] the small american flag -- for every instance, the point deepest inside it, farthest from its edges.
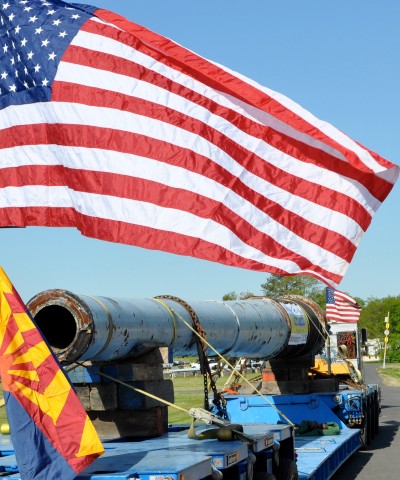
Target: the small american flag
(129, 137)
(340, 307)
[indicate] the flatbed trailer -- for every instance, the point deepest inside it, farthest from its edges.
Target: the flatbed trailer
(175, 456)
(259, 440)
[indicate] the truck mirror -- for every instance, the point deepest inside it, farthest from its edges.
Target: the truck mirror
(364, 335)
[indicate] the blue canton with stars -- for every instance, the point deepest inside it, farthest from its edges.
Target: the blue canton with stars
(34, 35)
(330, 298)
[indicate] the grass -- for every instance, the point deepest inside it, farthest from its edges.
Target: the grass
(390, 375)
(189, 392)
(187, 401)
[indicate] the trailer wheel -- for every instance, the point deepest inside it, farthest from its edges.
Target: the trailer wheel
(374, 414)
(365, 432)
(287, 470)
(376, 419)
(369, 424)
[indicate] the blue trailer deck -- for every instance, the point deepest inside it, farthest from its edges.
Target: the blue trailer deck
(128, 460)
(173, 456)
(125, 465)
(318, 458)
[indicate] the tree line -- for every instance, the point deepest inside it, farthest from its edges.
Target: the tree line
(374, 310)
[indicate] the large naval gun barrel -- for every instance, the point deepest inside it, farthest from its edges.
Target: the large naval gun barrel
(97, 329)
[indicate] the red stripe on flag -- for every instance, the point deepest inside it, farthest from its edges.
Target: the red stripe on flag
(288, 145)
(326, 197)
(146, 237)
(188, 62)
(165, 152)
(149, 191)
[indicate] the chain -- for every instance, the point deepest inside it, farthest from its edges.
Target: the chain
(201, 344)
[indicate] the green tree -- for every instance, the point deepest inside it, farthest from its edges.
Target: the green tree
(393, 348)
(373, 315)
(278, 285)
(230, 296)
(237, 296)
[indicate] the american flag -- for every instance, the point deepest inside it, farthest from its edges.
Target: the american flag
(110, 128)
(340, 307)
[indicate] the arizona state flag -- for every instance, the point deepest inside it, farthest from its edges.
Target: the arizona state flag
(52, 435)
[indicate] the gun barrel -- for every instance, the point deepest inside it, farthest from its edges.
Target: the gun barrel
(83, 327)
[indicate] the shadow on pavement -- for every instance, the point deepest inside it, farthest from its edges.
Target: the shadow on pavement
(362, 465)
(387, 433)
(351, 470)
(356, 464)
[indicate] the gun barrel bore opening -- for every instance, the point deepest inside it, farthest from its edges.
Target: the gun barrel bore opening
(58, 326)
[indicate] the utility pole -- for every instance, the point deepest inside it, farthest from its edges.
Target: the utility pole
(386, 332)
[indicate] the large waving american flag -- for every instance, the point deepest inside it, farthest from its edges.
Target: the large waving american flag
(52, 434)
(110, 128)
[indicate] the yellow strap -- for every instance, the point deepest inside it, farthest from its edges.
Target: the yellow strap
(206, 434)
(171, 314)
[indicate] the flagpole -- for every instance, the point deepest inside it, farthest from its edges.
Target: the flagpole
(328, 351)
(386, 339)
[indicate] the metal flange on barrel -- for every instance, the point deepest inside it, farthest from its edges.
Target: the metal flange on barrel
(89, 328)
(308, 326)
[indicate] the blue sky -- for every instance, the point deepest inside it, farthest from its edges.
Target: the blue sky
(338, 59)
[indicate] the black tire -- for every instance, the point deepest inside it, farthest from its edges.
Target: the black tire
(374, 415)
(376, 422)
(364, 431)
(369, 424)
(287, 470)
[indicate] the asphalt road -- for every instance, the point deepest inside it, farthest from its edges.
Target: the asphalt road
(382, 459)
